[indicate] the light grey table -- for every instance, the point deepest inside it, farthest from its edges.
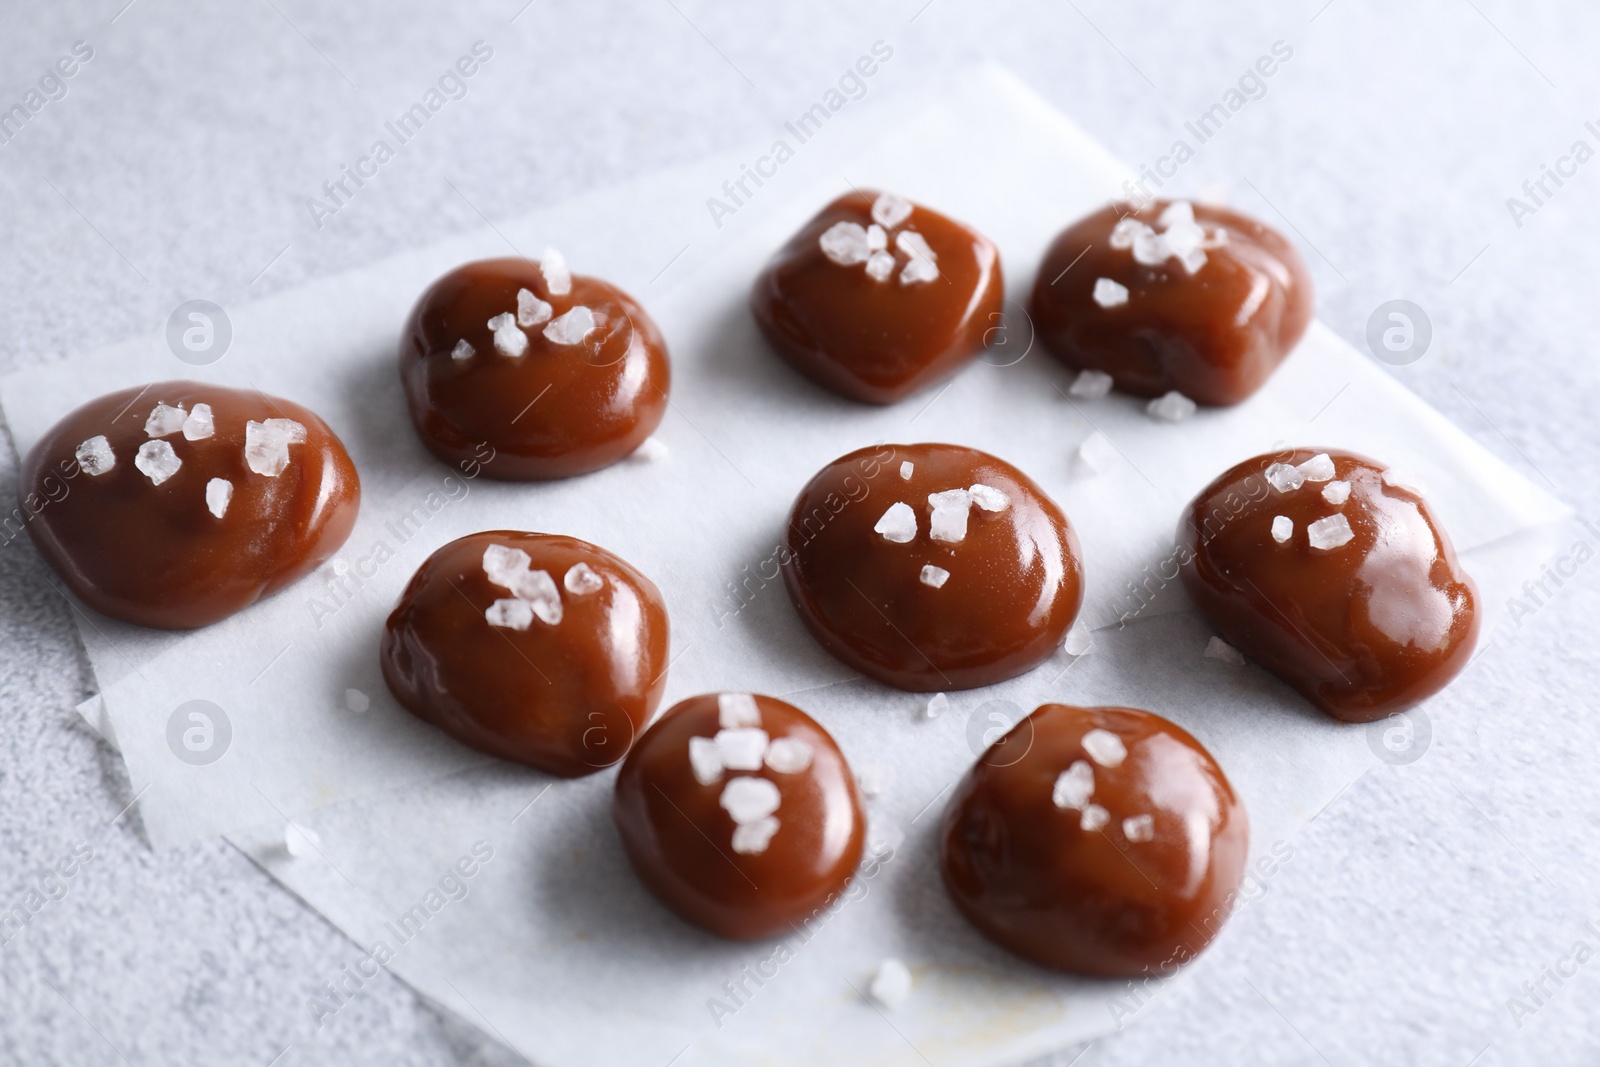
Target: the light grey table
(178, 164)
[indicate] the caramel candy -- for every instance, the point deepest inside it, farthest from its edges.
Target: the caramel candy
(531, 647)
(932, 567)
(1102, 841)
(1173, 297)
(740, 813)
(1329, 571)
(560, 374)
(877, 298)
(177, 504)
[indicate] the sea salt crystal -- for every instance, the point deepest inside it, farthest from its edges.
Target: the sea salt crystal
(1336, 493)
(891, 984)
(356, 700)
(1396, 478)
(572, 327)
(1220, 650)
(705, 760)
(531, 311)
(219, 491)
(737, 710)
(510, 613)
(581, 580)
(923, 266)
(747, 799)
(752, 838)
(898, 525)
(1126, 231)
(988, 497)
(875, 779)
(949, 520)
(1139, 828)
(845, 243)
(1284, 478)
(906, 468)
(1319, 468)
(557, 278)
(539, 590)
(502, 564)
(1329, 533)
(1193, 260)
(463, 351)
(199, 425)
(1090, 385)
(1184, 237)
(1171, 407)
(292, 431)
(508, 339)
(1096, 453)
(1150, 248)
(1105, 748)
(934, 576)
(300, 841)
(652, 450)
(877, 238)
(1177, 213)
(164, 419)
(890, 210)
(1073, 786)
(266, 447)
(937, 705)
(1282, 528)
(742, 749)
(1077, 642)
(1094, 818)
(157, 461)
(95, 456)
(789, 755)
(1110, 294)
(879, 266)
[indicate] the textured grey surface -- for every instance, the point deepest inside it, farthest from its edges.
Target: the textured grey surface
(178, 165)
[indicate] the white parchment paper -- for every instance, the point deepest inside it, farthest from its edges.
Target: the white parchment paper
(550, 944)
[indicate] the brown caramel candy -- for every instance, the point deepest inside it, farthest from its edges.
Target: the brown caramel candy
(557, 383)
(932, 566)
(740, 813)
(877, 298)
(1102, 841)
(178, 503)
(531, 647)
(1173, 296)
(1327, 570)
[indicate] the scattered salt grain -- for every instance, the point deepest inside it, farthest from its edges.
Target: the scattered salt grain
(752, 838)
(356, 700)
(509, 614)
(572, 327)
(891, 984)
(1105, 748)
(875, 779)
(1319, 468)
(293, 432)
(1220, 650)
(906, 468)
(157, 461)
(266, 444)
(1177, 213)
(164, 419)
(949, 520)
(1095, 454)
(879, 266)
(1336, 493)
(1395, 478)
(1090, 385)
(789, 755)
(1073, 786)
(557, 278)
(463, 351)
(1110, 294)
(531, 311)
(539, 590)
(899, 524)
(1150, 248)
(1077, 642)
(581, 580)
(742, 749)
(737, 710)
(508, 339)
(1124, 232)
(938, 704)
(934, 576)
(1282, 528)
(219, 491)
(890, 210)
(1139, 828)
(705, 760)
(199, 425)
(502, 564)
(877, 238)
(300, 841)
(748, 799)
(1171, 407)
(95, 456)
(845, 243)
(1329, 533)
(1094, 818)
(1284, 478)
(988, 497)
(923, 266)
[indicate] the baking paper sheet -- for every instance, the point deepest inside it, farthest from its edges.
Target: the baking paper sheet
(551, 945)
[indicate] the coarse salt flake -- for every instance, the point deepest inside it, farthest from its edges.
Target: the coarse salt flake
(752, 838)
(1319, 468)
(891, 984)
(897, 525)
(705, 760)
(1094, 818)
(879, 266)
(95, 456)
(988, 497)
(219, 491)
(165, 419)
(845, 243)
(1396, 478)
(890, 210)
(934, 576)
(949, 520)
(1105, 748)
(157, 461)
(923, 266)
(502, 564)
(300, 841)
(572, 327)
(1074, 786)
(1170, 407)
(737, 710)
(531, 311)
(1095, 454)
(1125, 231)
(539, 590)
(509, 613)
(742, 749)
(1077, 642)
(789, 755)
(356, 700)
(877, 238)
(937, 705)
(581, 580)
(1336, 493)
(1282, 528)
(747, 798)
(509, 341)
(1109, 293)
(1329, 533)
(266, 444)
(199, 425)
(906, 468)
(1220, 650)
(1090, 385)
(875, 779)
(557, 277)
(463, 351)
(1284, 478)
(1177, 213)
(1139, 828)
